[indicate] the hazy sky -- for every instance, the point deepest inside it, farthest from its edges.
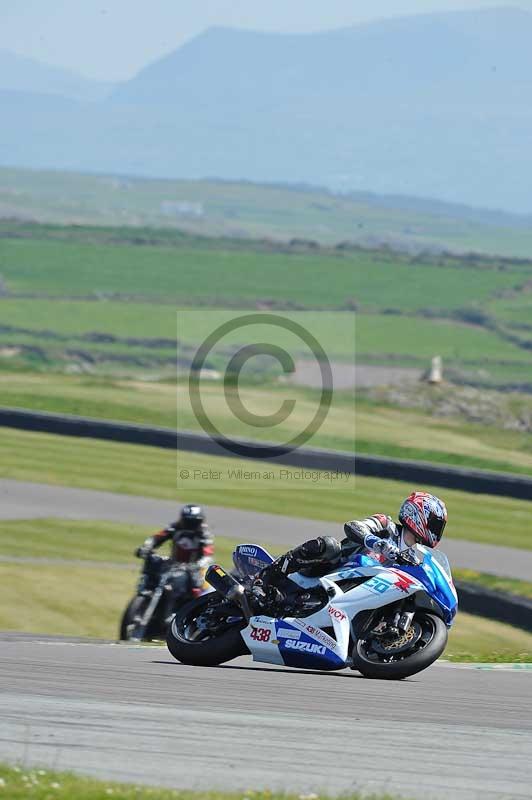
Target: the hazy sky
(113, 39)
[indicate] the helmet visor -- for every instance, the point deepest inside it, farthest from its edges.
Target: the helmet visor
(436, 526)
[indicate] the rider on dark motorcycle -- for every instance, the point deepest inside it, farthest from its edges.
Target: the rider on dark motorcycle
(190, 555)
(422, 519)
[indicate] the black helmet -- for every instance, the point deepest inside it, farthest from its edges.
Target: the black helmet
(192, 516)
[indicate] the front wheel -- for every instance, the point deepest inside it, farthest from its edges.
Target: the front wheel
(396, 657)
(132, 616)
(206, 632)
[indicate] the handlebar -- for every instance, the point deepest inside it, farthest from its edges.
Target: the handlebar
(409, 557)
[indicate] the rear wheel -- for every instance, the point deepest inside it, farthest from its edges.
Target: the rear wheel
(396, 657)
(206, 632)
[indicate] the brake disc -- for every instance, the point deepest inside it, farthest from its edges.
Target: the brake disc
(390, 645)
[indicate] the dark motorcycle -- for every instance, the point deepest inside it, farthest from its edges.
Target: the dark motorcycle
(164, 586)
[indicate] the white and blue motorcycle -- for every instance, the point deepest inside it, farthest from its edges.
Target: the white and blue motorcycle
(384, 621)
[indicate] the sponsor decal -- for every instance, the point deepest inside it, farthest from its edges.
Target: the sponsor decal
(288, 633)
(336, 613)
(298, 623)
(322, 636)
(403, 581)
(256, 562)
(377, 585)
(261, 634)
(247, 550)
(305, 647)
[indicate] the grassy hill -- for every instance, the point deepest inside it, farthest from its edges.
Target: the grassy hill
(244, 209)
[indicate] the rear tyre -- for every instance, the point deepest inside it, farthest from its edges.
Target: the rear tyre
(395, 659)
(191, 640)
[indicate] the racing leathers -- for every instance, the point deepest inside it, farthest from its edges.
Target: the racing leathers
(377, 535)
(190, 555)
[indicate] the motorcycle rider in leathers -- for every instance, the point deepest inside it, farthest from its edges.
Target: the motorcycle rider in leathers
(422, 519)
(190, 555)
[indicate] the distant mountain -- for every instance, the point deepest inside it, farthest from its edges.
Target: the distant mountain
(438, 105)
(18, 73)
(455, 55)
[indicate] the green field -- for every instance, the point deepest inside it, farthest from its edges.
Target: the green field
(153, 473)
(106, 298)
(78, 263)
(246, 209)
(343, 335)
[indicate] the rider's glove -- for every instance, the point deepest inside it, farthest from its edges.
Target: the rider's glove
(264, 595)
(142, 552)
(382, 547)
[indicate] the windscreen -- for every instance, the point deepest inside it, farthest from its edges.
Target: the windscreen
(442, 560)
(250, 559)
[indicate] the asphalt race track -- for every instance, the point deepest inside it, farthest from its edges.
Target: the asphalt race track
(20, 500)
(133, 713)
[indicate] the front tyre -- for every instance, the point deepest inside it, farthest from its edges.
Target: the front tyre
(206, 632)
(393, 658)
(132, 616)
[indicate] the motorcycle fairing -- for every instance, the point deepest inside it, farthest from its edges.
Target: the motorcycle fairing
(293, 643)
(301, 646)
(318, 650)
(435, 575)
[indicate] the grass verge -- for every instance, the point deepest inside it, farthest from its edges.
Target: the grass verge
(80, 598)
(152, 472)
(485, 641)
(508, 585)
(84, 540)
(20, 783)
(371, 427)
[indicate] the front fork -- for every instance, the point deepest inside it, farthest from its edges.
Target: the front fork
(142, 625)
(398, 620)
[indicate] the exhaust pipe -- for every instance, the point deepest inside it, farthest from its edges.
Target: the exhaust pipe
(227, 586)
